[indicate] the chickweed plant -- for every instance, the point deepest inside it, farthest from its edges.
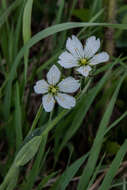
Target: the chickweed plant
(63, 110)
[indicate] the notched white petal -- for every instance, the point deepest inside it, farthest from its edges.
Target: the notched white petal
(69, 85)
(53, 76)
(91, 47)
(48, 102)
(74, 46)
(99, 58)
(66, 60)
(84, 70)
(78, 45)
(41, 87)
(65, 101)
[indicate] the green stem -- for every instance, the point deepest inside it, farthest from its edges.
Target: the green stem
(109, 35)
(109, 39)
(36, 119)
(93, 19)
(50, 116)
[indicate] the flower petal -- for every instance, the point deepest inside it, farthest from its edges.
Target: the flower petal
(91, 47)
(53, 76)
(99, 58)
(48, 102)
(75, 47)
(41, 87)
(65, 101)
(69, 85)
(84, 70)
(66, 60)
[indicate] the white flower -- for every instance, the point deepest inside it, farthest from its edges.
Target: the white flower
(53, 90)
(83, 58)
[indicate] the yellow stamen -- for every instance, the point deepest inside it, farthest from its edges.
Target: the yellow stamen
(83, 61)
(53, 90)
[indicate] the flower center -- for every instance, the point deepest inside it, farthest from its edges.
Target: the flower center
(83, 62)
(53, 89)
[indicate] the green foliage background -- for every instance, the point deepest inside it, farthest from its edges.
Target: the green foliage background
(70, 149)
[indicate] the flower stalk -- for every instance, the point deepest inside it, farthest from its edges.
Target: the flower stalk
(109, 35)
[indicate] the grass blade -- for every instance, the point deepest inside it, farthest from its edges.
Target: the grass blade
(18, 118)
(68, 174)
(7, 12)
(94, 153)
(114, 167)
(81, 111)
(27, 32)
(32, 176)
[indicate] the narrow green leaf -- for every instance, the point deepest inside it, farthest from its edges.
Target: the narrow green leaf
(18, 118)
(95, 173)
(36, 119)
(28, 151)
(13, 180)
(27, 32)
(7, 12)
(45, 180)
(116, 122)
(96, 7)
(68, 174)
(47, 63)
(32, 176)
(18, 31)
(94, 153)
(27, 20)
(81, 110)
(114, 167)
(58, 18)
(11, 175)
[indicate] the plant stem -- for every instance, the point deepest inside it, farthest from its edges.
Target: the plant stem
(109, 35)
(36, 119)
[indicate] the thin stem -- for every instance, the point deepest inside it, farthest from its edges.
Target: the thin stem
(36, 119)
(109, 35)
(50, 116)
(85, 89)
(81, 79)
(91, 20)
(109, 39)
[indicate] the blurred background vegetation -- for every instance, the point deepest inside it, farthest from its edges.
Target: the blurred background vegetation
(19, 104)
